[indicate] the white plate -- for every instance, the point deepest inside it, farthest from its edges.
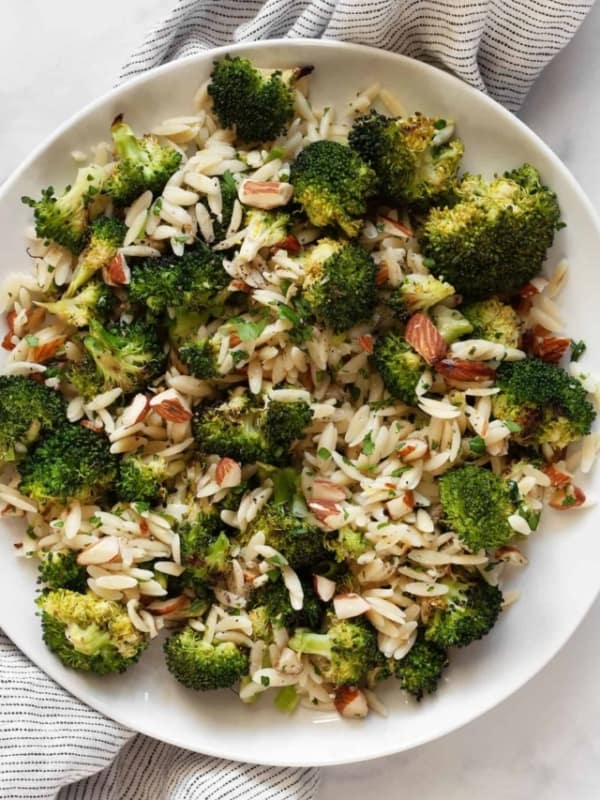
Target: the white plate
(563, 578)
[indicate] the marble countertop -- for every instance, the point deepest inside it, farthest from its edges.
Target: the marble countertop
(544, 741)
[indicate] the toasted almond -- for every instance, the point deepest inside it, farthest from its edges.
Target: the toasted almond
(99, 553)
(138, 410)
(323, 509)
(350, 702)
(324, 587)
(567, 497)
(328, 490)
(162, 607)
(228, 473)
(92, 426)
(383, 275)
(395, 228)
(290, 244)
(43, 352)
(550, 348)
(528, 291)
(459, 369)
(366, 343)
(116, 272)
(265, 194)
(7, 341)
(349, 605)
(424, 337)
(170, 406)
(557, 478)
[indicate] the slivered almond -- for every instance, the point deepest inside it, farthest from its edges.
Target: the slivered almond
(328, 491)
(366, 342)
(42, 352)
(424, 337)
(324, 587)
(162, 607)
(228, 473)
(557, 478)
(528, 291)
(394, 227)
(238, 285)
(323, 509)
(567, 497)
(350, 702)
(87, 423)
(138, 410)
(265, 194)
(383, 275)
(290, 244)
(116, 272)
(170, 406)
(459, 369)
(349, 605)
(550, 348)
(7, 342)
(99, 553)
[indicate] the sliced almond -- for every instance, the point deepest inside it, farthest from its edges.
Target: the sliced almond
(170, 406)
(162, 607)
(228, 473)
(401, 506)
(323, 509)
(349, 605)
(567, 497)
(138, 409)
(328, 490)
(424, 337)
(394, 228)
(45, 351)
(100, 553)
(557, 478)
(511, 555)
(350, 702)
(116, 272)
(459, 369)
(366, 343)
(265, 194)
(324, 587)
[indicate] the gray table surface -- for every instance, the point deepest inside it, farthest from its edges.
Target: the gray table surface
(542, 743)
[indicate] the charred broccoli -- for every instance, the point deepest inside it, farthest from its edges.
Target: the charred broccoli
(204, 544)
(420, 670)
(465, 613)
(27, 409)
(202, 665)
(106, 236)
(142, 479)
(399, 365)
(94, 301)
(270, 607)
(494, 321)
(58, 569)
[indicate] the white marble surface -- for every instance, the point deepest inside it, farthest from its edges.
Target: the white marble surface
(542, 743)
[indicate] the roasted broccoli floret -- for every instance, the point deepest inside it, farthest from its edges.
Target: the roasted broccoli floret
(106, 236)
(270, 607)
(94, 301)
(64, 219)
(201, 358)
(191, 281)
(58, 569)
(333, 184)
(84, 377)
(142, 479)
(201, 665)
(258, 103)
(128, 355)
(346, 544)
(546, 404)
(204, 544)
(495, 237)
(419, 293)
(143, 164)
(465, 613)
(476, 504)
(494, 321)
(89, 633)
(339, 283)
(245, 429)
(420, 670)
(71, 463)
(263, 229)
(348, 650)
(450, 323)
(399, 365)
(415, 158)
(229, 193)
(27, 409)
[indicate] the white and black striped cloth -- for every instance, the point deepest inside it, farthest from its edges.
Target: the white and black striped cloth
(53, 746)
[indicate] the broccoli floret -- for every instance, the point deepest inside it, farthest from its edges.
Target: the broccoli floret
(201, 358)
(64, 219)
(258, 103)
(348, 650)
(142, 479)
(201, 665)
(414, 159)
(71, 463)
(450, 323)
(465, 613)
(263, 229)
(229, 193)
(84, 377)
(27, 409)
(346, 544)
(245, 429)
(419, 293)
(495, 237)
(270, 607)
(420, 670)
(544, 401)
(204, 546)
(128, 355)
(89, 633)
(106, 236)
(399, 365)
(476, 504)
(184, 325)
(144, 164)
(58, 569)
(191, 281)
(339, 283)
(494, 321)
(94, 301)
(333, 184)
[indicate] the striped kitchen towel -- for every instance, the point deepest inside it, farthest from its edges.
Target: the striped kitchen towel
(53, 746)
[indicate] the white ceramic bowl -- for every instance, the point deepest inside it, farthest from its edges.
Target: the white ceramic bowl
(563, 578)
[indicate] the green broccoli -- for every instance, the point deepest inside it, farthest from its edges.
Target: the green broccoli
(467, 612)
(346, 544)
(414, 159)
(142, 479)
(494, 321)
(94, 301)
(263, 229)
(58, 569)
(191, 281)
(399, 365)
(89, 633)
(333, 184)
(201, 358)
(546, 404)
(204, 545)
(244, 428)
(184, 325)
(476, 504)
(71, 463)
(258, 103)
(450, 323)
(269, 607)
(203, 666)
(143, 164)
(229, 193)
(495, 237)
(419, 293)
(339, 283)
(128, 355)
(106, 236)
(420, 670)
(84, 377)
(27, 409)
(347, 651)
(64, 219)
